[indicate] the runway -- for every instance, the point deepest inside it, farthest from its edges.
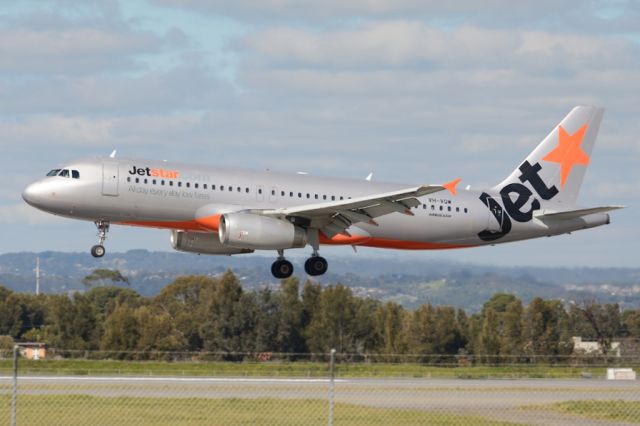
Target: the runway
(505, 400)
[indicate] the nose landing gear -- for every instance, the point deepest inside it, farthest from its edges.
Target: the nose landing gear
(103, 227)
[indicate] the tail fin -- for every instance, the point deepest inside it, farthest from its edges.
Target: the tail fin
(556, 168)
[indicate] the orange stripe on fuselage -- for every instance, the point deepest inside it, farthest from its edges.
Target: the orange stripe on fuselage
(356, 240)
(207, 223)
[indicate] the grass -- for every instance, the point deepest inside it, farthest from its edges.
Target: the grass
(627, 411)
(84, 409)
(290, 369)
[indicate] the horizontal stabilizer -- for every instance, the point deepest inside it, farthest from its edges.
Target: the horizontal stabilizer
(572, 214)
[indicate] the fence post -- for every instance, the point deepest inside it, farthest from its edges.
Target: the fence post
(14, 395)
(332, 374)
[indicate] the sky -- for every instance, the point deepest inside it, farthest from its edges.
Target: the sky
(413, 91)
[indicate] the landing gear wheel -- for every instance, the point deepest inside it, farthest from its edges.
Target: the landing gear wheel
(97, 251)
(316, 265)
(282, 269)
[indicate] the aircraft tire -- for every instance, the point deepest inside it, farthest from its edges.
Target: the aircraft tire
(98, 251)
(282, 269)
(316, 265)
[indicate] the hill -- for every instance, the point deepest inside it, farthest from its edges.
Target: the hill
(408, 282)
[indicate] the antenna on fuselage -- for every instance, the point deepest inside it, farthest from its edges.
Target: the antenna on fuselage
(113, 154)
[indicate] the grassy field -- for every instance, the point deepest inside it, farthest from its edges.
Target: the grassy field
(627, 411)
(83, 410)
(291, 369)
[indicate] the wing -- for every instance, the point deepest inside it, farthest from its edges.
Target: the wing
(335, 217)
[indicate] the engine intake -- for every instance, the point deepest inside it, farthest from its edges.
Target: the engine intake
(200, 242)
(252, 231)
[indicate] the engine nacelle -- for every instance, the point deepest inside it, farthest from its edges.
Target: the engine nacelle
(246, 230)
(200, 242)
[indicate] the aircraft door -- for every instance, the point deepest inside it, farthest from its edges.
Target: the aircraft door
(110, 179)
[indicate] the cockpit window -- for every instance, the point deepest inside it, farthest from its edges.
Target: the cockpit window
(75, 174)
(53, 172)
(64, 173)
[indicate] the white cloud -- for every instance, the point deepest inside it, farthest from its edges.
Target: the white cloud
(408, 43)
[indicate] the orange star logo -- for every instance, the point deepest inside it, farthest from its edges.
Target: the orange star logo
(568, 153)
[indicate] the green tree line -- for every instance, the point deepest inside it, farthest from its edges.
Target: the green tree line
(198, 313)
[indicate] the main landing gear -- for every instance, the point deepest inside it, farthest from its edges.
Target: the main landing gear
(314, 266)
(103, 227)
(281, 268)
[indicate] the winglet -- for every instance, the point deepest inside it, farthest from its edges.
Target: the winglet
(451, 186)
(369, 177)
(113, 154)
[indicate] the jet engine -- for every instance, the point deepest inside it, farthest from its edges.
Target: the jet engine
(252, 231)
(200, 242)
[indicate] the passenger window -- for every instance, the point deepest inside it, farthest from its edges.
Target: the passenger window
(259, 190)
(195, 185)
(333, 198)
(162, 182)
(179, 184)
(424, 206)
(137, 180)
(128, 178)
(53, 172)
(146, 181)
(433, 207)
(457, 209)
(239, 189)
(75, 174)
(324, 197)
(246, 190)
(64, 173)
(204, 186)
(308, 196)
(341, 197)
(315, 196)
(449, 208)
(299, 194)
(290, 194)
(273, 192)
(213, 187)
(170, 183)
(221, 187)
(465, 209)
(282, 193)
(153, 181)
(188, 184)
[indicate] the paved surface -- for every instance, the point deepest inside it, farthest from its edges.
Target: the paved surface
(492, 399)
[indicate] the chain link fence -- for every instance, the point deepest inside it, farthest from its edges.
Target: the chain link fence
(168, 388)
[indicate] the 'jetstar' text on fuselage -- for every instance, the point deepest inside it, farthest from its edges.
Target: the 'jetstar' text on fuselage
(146, 171)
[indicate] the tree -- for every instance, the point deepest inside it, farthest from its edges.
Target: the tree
(230, 318)
(605, 322)
(490, 335)
(511, 335)
(121, 330)
(103, 276)
(390, 319)
(290, 328)
(545, 330)
(332, 323)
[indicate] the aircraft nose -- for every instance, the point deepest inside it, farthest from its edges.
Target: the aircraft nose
(33, 193)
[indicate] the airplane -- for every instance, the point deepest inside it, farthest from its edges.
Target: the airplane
(225, 211)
